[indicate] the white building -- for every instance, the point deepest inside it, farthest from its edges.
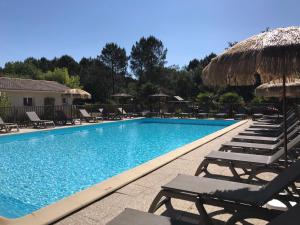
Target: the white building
(27, 92)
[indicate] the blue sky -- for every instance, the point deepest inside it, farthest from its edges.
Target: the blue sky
(188, 28)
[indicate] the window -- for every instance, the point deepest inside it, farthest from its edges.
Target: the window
(27, 101)
(64, 101)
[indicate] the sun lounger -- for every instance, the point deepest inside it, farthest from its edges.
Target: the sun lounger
(201, 115)
(8, 126)
(290, 120)
(261, 138)
(263, 146)
(62, 118)
(184, 115)
(126, 114)
(240, 199)
(258, 148)
(251, 164)
(240, 116)
(113, 116)
(88, 117)
(221, 115)
(136, 217)
(37, 122)
(277, 119)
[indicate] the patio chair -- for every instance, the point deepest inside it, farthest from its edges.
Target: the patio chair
(136, 217)
(239, 199)
(37, 122)
(126, 114)
(221, 115)
(275, 118)
(250, 164)
(62, 118)
(88, 117)
(257, 148)
(290, 120)
(113, 116)
(8, 126)
(201, 115)
(262, 138)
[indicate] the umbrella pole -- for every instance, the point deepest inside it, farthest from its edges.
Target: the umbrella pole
(284, 119)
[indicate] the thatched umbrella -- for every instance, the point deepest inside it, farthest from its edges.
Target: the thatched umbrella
(78, 93)
(274, 89)
(258, 59)
(159, 96)
(122, 95)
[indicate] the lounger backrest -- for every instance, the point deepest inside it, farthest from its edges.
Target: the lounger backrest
(84, 113)
(1, 121)
(33, 116)
(289, 135)
(283, 180)
(121, 110)
(292, 144)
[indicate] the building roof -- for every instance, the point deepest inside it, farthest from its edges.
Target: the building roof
(18, 84)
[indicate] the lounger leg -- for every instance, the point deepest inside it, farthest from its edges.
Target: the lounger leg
(159, 201)
(235, 174)
(202, 168)
(203, 213)
(241, 216)
(254, 173)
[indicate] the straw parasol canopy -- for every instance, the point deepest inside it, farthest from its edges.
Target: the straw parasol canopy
(262, 57)
(78, 93)
(159, 95)
(122, 95)
(274, 89)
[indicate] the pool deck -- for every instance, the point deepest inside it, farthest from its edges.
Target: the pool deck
(140, 193)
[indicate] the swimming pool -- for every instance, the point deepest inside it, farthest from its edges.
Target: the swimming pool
(43, 167)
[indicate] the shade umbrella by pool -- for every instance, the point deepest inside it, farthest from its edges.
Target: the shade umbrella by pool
(122, 95)
(159, 96)
(274, 89)
(258, 59)
(78, 93)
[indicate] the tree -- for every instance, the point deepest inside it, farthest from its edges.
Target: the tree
(231, 100)
(22, 69)
(193, 64)
(68, 62)
(61, 75)
(95, 78)
(114, 58)
(147, 54)
(205, 100)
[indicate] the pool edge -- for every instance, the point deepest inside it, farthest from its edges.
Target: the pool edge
(66, 206)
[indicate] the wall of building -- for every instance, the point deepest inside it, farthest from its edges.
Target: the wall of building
(16, 97)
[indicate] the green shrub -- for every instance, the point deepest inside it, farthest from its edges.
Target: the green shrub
(205, 100)
(231, 98)
(4, 102)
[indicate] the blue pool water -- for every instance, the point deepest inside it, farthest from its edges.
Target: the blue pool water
(37, 169)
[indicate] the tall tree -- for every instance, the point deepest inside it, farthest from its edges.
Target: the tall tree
(114, 58)
(147, 54)
(68, 62)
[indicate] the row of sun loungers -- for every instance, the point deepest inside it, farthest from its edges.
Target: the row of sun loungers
(243, 195)
(63, 119)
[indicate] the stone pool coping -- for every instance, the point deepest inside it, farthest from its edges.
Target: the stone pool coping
(68, 205)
